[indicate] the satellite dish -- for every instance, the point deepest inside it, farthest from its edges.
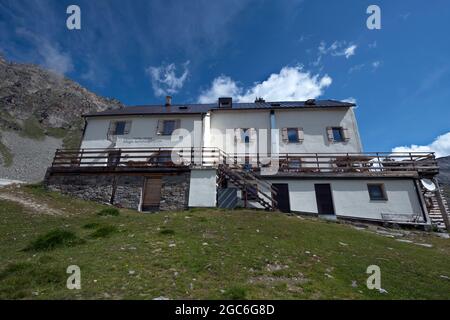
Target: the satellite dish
(428, 184)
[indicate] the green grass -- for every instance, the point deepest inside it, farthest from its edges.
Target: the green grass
(56, 132)
(54, 239)
(5, 153)
(214, 254)
(108, 212)
(31, 128)
(103, 232)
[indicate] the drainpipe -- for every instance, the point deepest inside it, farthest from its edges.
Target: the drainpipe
(274, 135)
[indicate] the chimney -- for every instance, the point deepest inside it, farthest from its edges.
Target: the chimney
(168, 101)
(225, 102)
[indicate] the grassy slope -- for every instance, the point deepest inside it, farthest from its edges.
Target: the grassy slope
(218, 254)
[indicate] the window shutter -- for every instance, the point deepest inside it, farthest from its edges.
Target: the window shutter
(160, 127)
(345, 134)
(112, 128)
(252, 134)
(284, 135)
(301, 135)
(127, 127)
(237, 135)
(330, 134)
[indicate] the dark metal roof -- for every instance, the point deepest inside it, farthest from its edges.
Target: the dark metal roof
(204, 108)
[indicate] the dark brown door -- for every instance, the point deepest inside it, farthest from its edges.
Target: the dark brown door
(282, 197)
(152, 194)
(324, 199)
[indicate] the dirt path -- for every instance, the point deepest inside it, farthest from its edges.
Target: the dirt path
(29, 203)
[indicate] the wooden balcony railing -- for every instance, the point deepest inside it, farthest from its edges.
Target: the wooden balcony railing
(376, 162)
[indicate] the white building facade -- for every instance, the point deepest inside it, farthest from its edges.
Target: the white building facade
(301, 157)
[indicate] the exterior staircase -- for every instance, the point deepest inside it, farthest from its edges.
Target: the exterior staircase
(438, 218)
(250, 184)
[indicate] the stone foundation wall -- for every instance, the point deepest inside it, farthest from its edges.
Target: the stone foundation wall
(175, 192)
(122, 190)
(94, 188)
(128, 191)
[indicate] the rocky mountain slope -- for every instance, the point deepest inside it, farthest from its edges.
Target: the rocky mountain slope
(444, 175)
(39, 112)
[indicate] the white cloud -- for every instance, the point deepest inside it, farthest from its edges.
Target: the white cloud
(376, 64)
(336, 49)
(350, 51)
(221, 86)
(441, 146)
(165, 80)
(50, 55)
(290, 84)
(54, 59)
(350, 100)
(356, 68)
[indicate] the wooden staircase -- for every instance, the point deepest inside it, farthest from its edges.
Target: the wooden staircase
(435, 209)
(249, 184)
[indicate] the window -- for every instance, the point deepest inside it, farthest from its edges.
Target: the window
(292, 135)
(120, 128)
(169, 127)
(338, 135)
(245, 135)
(377, 192)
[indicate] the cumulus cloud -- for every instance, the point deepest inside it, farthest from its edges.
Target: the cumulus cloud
(290, 84)
(165, 79)
(441, 146)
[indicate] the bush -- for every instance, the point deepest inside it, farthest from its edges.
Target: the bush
(54, 239)
(109, 212)
(104, 232)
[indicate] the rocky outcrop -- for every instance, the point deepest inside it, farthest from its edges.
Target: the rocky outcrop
(56, 102)
(40, 111)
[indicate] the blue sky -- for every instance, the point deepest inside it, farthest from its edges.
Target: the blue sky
(138, 51)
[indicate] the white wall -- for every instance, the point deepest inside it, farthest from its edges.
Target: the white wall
(314, 123)
(142, 133)
(202, 189)
(351, 197)
(221, 120)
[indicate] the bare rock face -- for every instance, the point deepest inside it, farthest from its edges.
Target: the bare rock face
(39, 112)
(444, 175)
(444, 170)
(55, 101)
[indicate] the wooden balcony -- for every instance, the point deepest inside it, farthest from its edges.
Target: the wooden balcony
(301, 164)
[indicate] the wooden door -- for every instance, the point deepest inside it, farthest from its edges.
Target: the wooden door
(282, 197)
(324, 199)
(152, 194)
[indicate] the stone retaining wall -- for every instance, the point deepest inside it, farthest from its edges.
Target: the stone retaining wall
(122, 190)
